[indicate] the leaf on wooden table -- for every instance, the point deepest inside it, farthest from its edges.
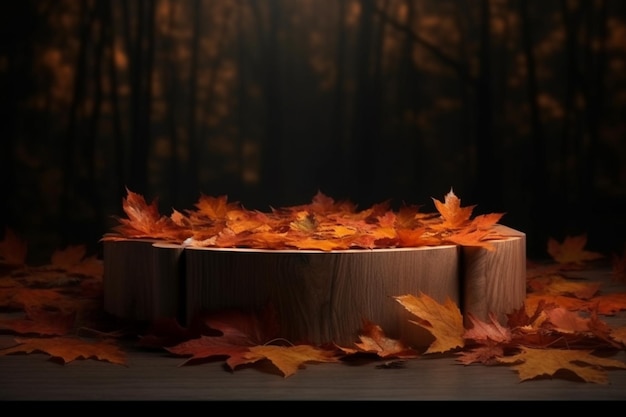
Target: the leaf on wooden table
(570, 303)
(443, 321)
(609, 304)
(533, 363)
(572, 250)
(211, 347)
(484, 354)
(239, 331)
(41, 322)
(69, 349)
(566, 321)
(288, 359)
(557, 284)
(374, 340)
(481, 331)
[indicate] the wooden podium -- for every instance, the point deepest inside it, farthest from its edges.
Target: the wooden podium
(319, 296)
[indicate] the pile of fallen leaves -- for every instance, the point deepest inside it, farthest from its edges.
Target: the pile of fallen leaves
(323, 224)
(56, 309)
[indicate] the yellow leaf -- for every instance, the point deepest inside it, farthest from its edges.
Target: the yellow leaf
(533, 363)
(444, 321)
(288, 359)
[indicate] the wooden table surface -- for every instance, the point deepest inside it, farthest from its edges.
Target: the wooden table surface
(158, 376)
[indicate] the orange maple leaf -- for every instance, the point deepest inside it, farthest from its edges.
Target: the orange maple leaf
(145, 221)
(374, 340)
(557, 284)
(288, 359)
(443, 321)
(69, 349)
(566, 321)
(215, 208)
(533, 363)
(609, 304)
(571, 250)
(454, 216)
(570, 303)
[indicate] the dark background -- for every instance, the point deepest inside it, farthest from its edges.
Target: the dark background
(518, 106)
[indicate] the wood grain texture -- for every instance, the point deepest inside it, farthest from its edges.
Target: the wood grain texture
(323, 296)
(129, 278)
(495, 281)
(319, 297)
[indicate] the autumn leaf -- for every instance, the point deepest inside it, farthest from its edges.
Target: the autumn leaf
(374, 340)
(237, 332)
(571, 250)
(443, 321)
(570, 303)
(483, 332)
(470, 237)
(483, 354)
(323, 225)
(41, 322)
(288, 359)
(608, 304)
(490, 339)
(558, 285)
(69, 349)
(566, 321)
(215, 208)
(145, 221)
(533, 363)
(36, 298)
(211, 347)
(454, 216)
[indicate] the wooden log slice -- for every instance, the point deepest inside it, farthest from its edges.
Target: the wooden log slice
(128, 277)
(168, 284)
(494, 281)
(324, 297)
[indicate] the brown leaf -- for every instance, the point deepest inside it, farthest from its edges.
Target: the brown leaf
(557, 284)
(485, 354)
(68, 349)
(482, 332)
(208, 347)
(373, 340)
(534, 363)
(41, 322)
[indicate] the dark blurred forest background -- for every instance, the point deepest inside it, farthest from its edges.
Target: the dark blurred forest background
(518, 106)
